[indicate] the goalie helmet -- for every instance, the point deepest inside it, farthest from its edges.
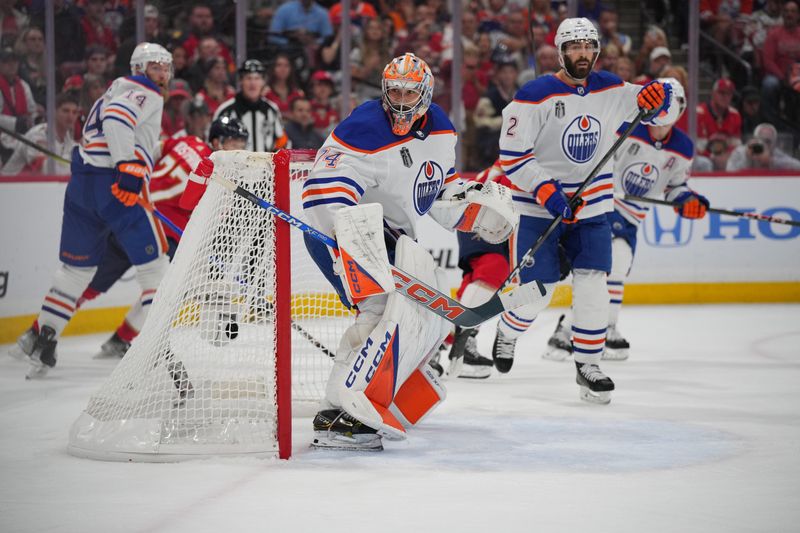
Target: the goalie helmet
(677, 105)
(146, 53)
(410, 73)
(576, 29)
(227, 128)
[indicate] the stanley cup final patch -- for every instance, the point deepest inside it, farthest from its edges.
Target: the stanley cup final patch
(406, 155)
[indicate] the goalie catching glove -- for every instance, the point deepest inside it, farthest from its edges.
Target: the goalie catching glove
(489, 212)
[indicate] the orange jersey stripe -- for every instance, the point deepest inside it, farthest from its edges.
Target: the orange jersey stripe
(122, 114)
(313, 192)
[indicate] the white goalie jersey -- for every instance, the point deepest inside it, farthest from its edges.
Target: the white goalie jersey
(650, 169)
(362, 161)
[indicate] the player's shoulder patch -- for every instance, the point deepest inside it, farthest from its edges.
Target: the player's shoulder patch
(602, 80)
(540, 89)
(681, 143)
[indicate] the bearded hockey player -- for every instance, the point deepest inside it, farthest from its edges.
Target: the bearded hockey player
(554, 132)
(120, 144)
(653, 163)
(383, 168)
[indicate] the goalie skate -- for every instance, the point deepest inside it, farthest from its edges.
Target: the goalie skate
(617, 348)
(336, 430)
(595, 387)
(43, 354)
(559, 345)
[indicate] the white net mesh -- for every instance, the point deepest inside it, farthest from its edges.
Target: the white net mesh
(200, 379)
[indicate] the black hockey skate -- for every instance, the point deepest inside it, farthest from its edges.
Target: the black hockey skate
(336, 430)
(617, 348)
(559, 345)
(475, 366)
(43, 354)
(113, 347)
(595, 387)
(503, 352)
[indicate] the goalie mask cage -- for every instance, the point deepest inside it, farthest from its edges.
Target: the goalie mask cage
(243, 325)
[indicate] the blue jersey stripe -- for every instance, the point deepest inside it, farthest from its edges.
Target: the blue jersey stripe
(149, 159)
(120, 120)
(97, 152)
(600, 199)
(335, 179)
(126, 108)
(524, 199)
(57, 313)
(516, 154)
(588, 331)
(594, 181)
(581, 350)
(509, 172)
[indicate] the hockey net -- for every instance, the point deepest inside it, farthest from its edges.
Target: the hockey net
(241, 316)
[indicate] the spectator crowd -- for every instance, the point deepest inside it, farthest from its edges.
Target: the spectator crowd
(505, 43)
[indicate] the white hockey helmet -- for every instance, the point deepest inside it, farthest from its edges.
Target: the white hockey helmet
(410, 73)
(576, 29)
(146, 53)
(677, 105)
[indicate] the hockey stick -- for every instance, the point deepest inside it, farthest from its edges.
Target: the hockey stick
(409, 286)
(295, 326)
(527, 259)
(32, 144)
(754, 216)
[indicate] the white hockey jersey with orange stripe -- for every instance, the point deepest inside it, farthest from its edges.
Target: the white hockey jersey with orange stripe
(650, 169)
(552, 130)
(362, 161)
(124, 124)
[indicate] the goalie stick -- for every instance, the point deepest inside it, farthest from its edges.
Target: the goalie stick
(754, 216)
(409, 286)
(527, 259)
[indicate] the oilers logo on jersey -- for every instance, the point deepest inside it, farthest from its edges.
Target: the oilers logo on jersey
(638, 178)
(580, 138)
(429, 180)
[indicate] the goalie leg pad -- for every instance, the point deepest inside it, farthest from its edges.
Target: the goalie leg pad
(421, 393)
(363, 264)
(405, 336)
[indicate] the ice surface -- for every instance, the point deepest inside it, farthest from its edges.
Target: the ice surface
(702, 434)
